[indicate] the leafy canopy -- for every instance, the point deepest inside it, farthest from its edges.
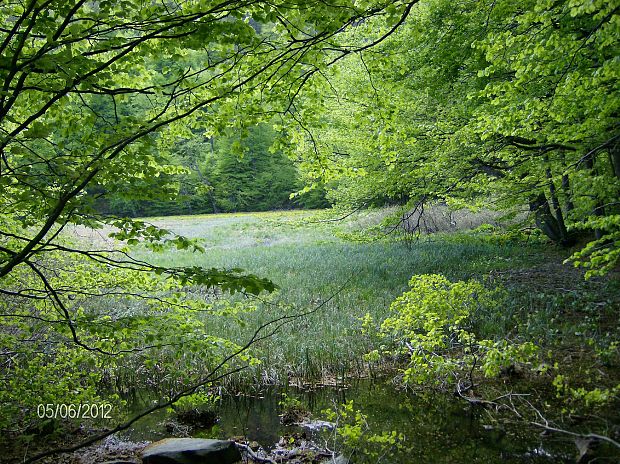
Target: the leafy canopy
(516, 102)
(93, 96)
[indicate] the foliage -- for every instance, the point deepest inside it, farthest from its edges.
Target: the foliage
(199, 401)
(228, 173)
(29, 386)
(589, 397)
(601, 255)
(93, 98)
(293, 410)
(431, 325)
(394, 102)
(106, 321)
(356, 436)
(246, 176)
(516, 102)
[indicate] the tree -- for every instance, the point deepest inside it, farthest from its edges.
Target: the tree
(92, 96)
(229, 173)
(246, 176)
(517, 102)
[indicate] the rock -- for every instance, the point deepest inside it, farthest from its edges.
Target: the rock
(340, 459)
(118, 462)
(191, 451)
(317, 425)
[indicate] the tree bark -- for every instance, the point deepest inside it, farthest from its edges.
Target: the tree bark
(614, 157)
(559, 216)
(599, 209)
(568, 193)
(545, 220)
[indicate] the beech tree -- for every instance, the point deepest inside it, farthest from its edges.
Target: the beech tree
(93, 94)
(513, 102)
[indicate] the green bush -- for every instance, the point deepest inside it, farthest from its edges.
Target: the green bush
(431, 325)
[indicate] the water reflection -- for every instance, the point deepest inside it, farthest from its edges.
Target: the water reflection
(438, 429)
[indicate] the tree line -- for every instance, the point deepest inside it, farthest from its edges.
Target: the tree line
(226, 174)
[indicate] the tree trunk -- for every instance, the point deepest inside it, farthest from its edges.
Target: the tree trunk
(559, 216)
(614, 156)
(570, 206)
(545, 220)
(568, 193)
(599, 209)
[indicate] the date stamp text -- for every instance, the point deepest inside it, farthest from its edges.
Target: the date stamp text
(75, 411)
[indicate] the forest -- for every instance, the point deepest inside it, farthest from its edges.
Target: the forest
(292, 231)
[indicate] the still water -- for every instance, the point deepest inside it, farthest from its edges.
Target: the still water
(437, 429)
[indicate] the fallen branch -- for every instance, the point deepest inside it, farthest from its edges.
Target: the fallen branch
(252, 455)
(512, 408)
(587, 436)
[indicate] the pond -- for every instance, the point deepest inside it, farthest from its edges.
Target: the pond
(437, 428)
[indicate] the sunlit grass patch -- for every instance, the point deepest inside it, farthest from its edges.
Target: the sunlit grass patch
(300, 252)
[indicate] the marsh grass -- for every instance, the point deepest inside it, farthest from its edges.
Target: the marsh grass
(301, 252)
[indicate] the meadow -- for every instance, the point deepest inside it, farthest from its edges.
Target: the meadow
(342, 270)
(305, 254)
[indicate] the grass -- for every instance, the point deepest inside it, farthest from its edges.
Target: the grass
(305, 258)
(574, 321)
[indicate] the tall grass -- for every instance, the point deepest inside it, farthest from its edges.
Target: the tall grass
(301, 253)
